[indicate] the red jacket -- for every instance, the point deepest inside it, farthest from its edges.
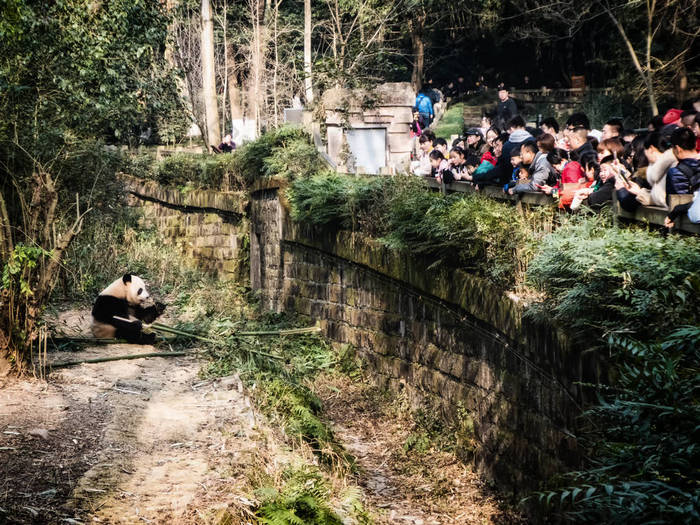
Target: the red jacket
(489, 157)
(572, 172)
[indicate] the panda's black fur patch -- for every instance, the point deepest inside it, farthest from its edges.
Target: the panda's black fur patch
(107, 307)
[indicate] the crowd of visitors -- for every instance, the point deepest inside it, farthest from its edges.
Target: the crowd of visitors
(575, 164)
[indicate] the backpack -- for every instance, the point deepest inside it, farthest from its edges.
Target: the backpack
(692, 173)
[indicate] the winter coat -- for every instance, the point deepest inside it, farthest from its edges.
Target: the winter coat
(656, 177)
(603, 194)
(540, 173)
(582, 151)
(503, 167)
(488, 157)
(683, 178)
(571, 173)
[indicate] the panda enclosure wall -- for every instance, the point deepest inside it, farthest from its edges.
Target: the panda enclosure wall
(450, 339)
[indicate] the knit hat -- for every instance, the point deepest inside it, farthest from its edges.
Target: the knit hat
(672, 115)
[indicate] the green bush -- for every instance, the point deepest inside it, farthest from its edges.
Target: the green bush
(644, 465)
(303, 500)
(339, 201)
(460, 231)
(597, 276)
(286, 151)
(218, 172)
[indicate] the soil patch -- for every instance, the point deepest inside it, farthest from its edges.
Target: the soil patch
(405, 487)
(141, 441)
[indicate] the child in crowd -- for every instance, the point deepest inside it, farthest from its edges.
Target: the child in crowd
(440, 167)
(458, 162)
(418, 124)
(515, 161)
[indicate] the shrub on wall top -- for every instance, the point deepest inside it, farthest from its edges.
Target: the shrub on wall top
(594, 275)
(456, 231)
(285, 151)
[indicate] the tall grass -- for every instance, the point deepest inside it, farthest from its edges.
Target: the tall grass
(456, 231)
(451, 123)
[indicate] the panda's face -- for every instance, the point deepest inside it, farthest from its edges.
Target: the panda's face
(136, 292)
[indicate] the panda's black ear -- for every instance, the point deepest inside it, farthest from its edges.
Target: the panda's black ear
(126, 278)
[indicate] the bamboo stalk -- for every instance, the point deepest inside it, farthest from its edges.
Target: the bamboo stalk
(291, 331)
(91, 340)
(120, 358)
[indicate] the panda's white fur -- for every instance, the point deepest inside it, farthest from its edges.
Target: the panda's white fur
(118, 299)
(129, 291)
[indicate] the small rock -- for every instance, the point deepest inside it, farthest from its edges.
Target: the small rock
(39, 432)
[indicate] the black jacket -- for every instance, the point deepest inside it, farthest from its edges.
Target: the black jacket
(603, 194)
(582, 151)
(506, 111)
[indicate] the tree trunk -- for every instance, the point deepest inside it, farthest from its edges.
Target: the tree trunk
(275, 102)
(5, 231)
(682, 84)
(255, 87)
(234, 90)
(225, 75)
(308, 86)
(418, 51)
(211, 111)
(645, 75)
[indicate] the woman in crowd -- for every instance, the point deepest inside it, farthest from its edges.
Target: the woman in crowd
(661, 158)
(476, 146)
(421, 166)
(491, 135)
(486, 123)
(440, 167)
(612, 147)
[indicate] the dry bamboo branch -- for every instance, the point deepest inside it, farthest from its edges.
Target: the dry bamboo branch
(120, 358)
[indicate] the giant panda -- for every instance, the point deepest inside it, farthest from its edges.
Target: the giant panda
(119, 311)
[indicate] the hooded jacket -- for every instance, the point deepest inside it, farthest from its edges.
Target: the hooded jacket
(503, 167)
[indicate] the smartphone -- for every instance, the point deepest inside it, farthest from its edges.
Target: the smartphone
(622, 174)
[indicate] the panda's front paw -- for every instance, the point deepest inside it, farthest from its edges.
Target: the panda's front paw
(160, 308)
(147, 339)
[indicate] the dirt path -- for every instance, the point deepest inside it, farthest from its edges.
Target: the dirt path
(418, 488)
(149, 441)
(141, 441)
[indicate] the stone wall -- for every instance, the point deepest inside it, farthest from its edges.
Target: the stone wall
(446, 337)
(210, 228)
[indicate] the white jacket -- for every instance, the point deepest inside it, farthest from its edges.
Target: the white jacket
(656, 177)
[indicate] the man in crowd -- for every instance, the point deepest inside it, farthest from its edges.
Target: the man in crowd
(684, 177)
(425, 106)
(518, 135)
(506, 108)
(612, 129)
(539, 167)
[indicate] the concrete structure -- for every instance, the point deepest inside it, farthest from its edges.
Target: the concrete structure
(386, 110)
